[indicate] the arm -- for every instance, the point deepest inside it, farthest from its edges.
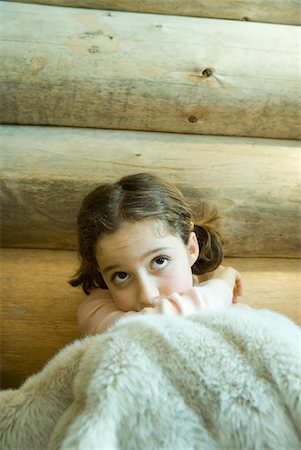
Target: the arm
(98, 312)
(210, 295)
(232, 278)
(219, 291)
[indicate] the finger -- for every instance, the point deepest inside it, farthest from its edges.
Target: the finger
(239, 286)
(168, 308)
(183, 304)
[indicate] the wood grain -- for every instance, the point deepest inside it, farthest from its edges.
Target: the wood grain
(38, 307)
(271, 284)
(117, 70)
(276, 11)
(255, 184)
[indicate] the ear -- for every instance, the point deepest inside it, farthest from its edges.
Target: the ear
(193, 248)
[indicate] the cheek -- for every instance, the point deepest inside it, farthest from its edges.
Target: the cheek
(180, 280)
(123, 300)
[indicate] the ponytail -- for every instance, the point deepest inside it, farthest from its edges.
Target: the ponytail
(210, 245)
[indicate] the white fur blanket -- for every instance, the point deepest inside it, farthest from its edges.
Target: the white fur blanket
(223, 380)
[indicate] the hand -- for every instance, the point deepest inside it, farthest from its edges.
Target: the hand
(189, 302)
(232, 278)
(175, 305)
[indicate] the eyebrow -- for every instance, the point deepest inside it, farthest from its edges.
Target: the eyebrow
(146, 255)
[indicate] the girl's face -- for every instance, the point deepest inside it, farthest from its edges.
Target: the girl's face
(142, 263)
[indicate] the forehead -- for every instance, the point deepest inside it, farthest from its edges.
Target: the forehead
(133, 240)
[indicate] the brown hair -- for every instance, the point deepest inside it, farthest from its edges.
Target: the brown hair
(134, 198)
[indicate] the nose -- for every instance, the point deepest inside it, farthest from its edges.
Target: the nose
(148, 291)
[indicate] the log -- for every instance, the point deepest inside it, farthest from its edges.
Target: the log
(39, 307)
(277, 11)
(38, 310)
(117, 70)
(254, 183)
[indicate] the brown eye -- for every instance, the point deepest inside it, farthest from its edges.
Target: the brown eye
(160, 262)
(120, 277)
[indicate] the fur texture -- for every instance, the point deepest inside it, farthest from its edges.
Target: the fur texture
(223, 380)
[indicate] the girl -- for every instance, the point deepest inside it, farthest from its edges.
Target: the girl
(142, 250)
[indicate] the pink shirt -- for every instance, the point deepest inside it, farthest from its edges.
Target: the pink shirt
(98, 311)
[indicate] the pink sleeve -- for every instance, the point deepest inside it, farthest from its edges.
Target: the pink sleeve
(98, 312)
(211, 295)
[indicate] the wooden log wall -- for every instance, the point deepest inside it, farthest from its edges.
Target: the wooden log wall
(117, 70)
(254, 183)
(39, 311)
(176, 88)
(269, 11)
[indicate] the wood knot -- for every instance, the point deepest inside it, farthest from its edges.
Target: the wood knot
(93, 49)
(38, 63)
(193, 119)
(207, 73)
